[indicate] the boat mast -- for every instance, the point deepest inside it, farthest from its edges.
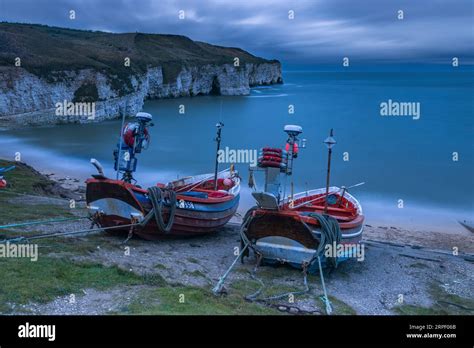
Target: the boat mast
(219, 126)
(120, 145)
(293, 132)
(330, 142)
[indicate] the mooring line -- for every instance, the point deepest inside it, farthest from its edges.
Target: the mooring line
(54, 234)
(42, 222)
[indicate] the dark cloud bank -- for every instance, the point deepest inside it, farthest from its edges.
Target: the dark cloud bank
(322, 31)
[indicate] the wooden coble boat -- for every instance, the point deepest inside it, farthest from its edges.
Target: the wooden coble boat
(189, 206)
(296, 228)
(293, 234)
(200, 210)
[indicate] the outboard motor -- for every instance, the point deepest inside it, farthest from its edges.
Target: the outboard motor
(134, 138)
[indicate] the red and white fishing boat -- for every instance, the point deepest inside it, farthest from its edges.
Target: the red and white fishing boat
(292, 228)
(197, 210)
(189, 206)
(306, 230)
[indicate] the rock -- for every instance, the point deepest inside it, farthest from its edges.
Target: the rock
(28, 99)
(293, 310)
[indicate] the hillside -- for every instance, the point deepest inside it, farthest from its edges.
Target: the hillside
(51, 56)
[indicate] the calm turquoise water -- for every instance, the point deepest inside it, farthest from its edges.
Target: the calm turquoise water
(397, 157)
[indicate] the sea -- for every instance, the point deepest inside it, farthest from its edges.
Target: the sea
(405, 131)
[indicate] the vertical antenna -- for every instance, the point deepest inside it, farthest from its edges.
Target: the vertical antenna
(219, 126)
(330, 142)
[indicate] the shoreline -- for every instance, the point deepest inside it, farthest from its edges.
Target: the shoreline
(392, 232)
(376, 216)
(424, 270)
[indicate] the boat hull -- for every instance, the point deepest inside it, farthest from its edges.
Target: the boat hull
(115, 203)
(293, 235)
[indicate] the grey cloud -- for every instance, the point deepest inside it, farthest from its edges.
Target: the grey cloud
(322, 31)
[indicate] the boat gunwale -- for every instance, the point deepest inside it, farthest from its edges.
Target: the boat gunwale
(209, 200)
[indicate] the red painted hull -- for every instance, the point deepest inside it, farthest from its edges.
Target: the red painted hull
(198, 212)
(290, 222)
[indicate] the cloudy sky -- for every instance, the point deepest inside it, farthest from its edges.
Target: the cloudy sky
(322, 31)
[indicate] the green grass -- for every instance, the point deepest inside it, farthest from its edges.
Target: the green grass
(444, 304)
(247, 287)
(193, 260)
(43, 280)
(339, 307)
(16, 207)
(160, 266)
(24, 179)
(20, 212)
(195, 301)
(419, 265)
(84, 245)
(418, 310)
(196, 273)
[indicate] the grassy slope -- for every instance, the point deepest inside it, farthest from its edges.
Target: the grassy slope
(14, 206)
(48, 51)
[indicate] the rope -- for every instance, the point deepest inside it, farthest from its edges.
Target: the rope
(218, 288)
(42, 222)
(325, 297)
(256, 294)
(330, 234)
(54, 234)
(243, 248)
(157, 198)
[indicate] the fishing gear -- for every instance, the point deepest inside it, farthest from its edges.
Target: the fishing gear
(134, 138)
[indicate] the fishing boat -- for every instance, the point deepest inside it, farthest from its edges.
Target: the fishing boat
(188, 206)
(297, 228)
(292, 233)
(308, 230)
(3, 181)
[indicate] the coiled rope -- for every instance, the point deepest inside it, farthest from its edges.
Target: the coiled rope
(157, 197)
(330, 233)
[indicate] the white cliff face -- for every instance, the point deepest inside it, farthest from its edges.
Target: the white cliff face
(27, 99)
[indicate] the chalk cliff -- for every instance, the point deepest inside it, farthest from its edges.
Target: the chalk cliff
(89, 67)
